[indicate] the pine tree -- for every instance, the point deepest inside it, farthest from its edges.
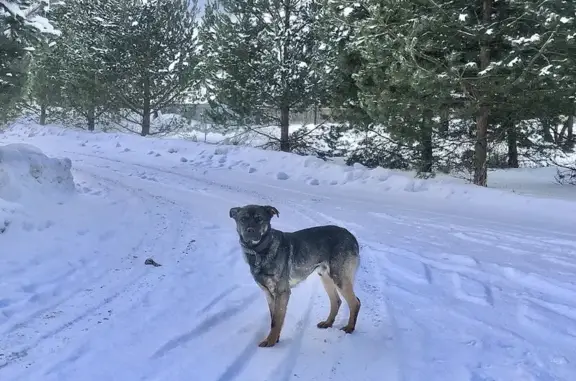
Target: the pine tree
(151, 53)
(261, 62)
(23, 27)
(424, 57)
(70, 74)
(339, 26)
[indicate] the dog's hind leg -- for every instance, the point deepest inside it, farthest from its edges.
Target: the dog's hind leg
(344, 280)
(354, 304)
(335, 300)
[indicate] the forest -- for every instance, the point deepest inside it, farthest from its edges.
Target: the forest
(424, 85)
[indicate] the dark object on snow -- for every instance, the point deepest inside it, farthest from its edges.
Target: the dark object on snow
(152, 262)
(4, 226)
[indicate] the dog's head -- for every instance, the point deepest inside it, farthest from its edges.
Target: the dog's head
(253, 221)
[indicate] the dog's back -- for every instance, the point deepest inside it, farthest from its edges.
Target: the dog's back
(327, 248)
(326, 240)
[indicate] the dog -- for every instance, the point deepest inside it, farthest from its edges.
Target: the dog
(279, 261)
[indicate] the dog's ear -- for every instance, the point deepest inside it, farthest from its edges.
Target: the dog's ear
(234, 212)
(272, 211)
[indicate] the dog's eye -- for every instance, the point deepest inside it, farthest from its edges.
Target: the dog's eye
(258, 219)
(244, 219)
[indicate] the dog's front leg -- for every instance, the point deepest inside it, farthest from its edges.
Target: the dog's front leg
(278, 315)
(269, 300)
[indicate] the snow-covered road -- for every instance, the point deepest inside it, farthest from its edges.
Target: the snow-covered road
(449, 291)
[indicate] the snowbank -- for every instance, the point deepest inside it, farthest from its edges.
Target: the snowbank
(27, 174)
(272, 165)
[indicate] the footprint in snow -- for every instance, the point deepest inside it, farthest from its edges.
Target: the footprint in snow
(106, 235)
(282, 176)
(313, 182)
(252, 170)
(45, 225)
(183, 160)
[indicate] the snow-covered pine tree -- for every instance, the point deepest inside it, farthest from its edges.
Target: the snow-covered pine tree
(554, 67)
(71, 74)
(45, 85)
(152, 55)
(338, 27)
(89, 85)
(260, 59)
(340, 60)
(456, 54)
(383, 101)
(23, 25)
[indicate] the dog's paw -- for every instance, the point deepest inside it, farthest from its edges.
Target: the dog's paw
(325, 324)
(268, 342)
(347, 329)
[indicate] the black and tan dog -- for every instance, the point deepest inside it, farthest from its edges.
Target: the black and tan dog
(279, 261)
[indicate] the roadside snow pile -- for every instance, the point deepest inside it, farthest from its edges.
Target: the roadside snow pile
(28, 175)
(28, 180)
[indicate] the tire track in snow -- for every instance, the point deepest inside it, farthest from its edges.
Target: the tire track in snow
(303, 212)
(286, 367)
(207, 324)
(81, 295)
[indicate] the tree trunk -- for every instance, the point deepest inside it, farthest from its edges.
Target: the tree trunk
(426, 142)
(284, 131)
(43, 114)
(570, 133)
(284, 102)
(91, 119)
(315, 114)
(512, 140)
(146, 109)
(444, 122)
(481, 147)
(546, 130)
(145, 123)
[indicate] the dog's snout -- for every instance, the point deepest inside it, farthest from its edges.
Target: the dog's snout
(250, 230)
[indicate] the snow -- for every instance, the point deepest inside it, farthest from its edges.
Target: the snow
(13, 8)
(347, 11)
(545, 70)
(454, 279)
(36, 21)
(513, 61)
(26, 172)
